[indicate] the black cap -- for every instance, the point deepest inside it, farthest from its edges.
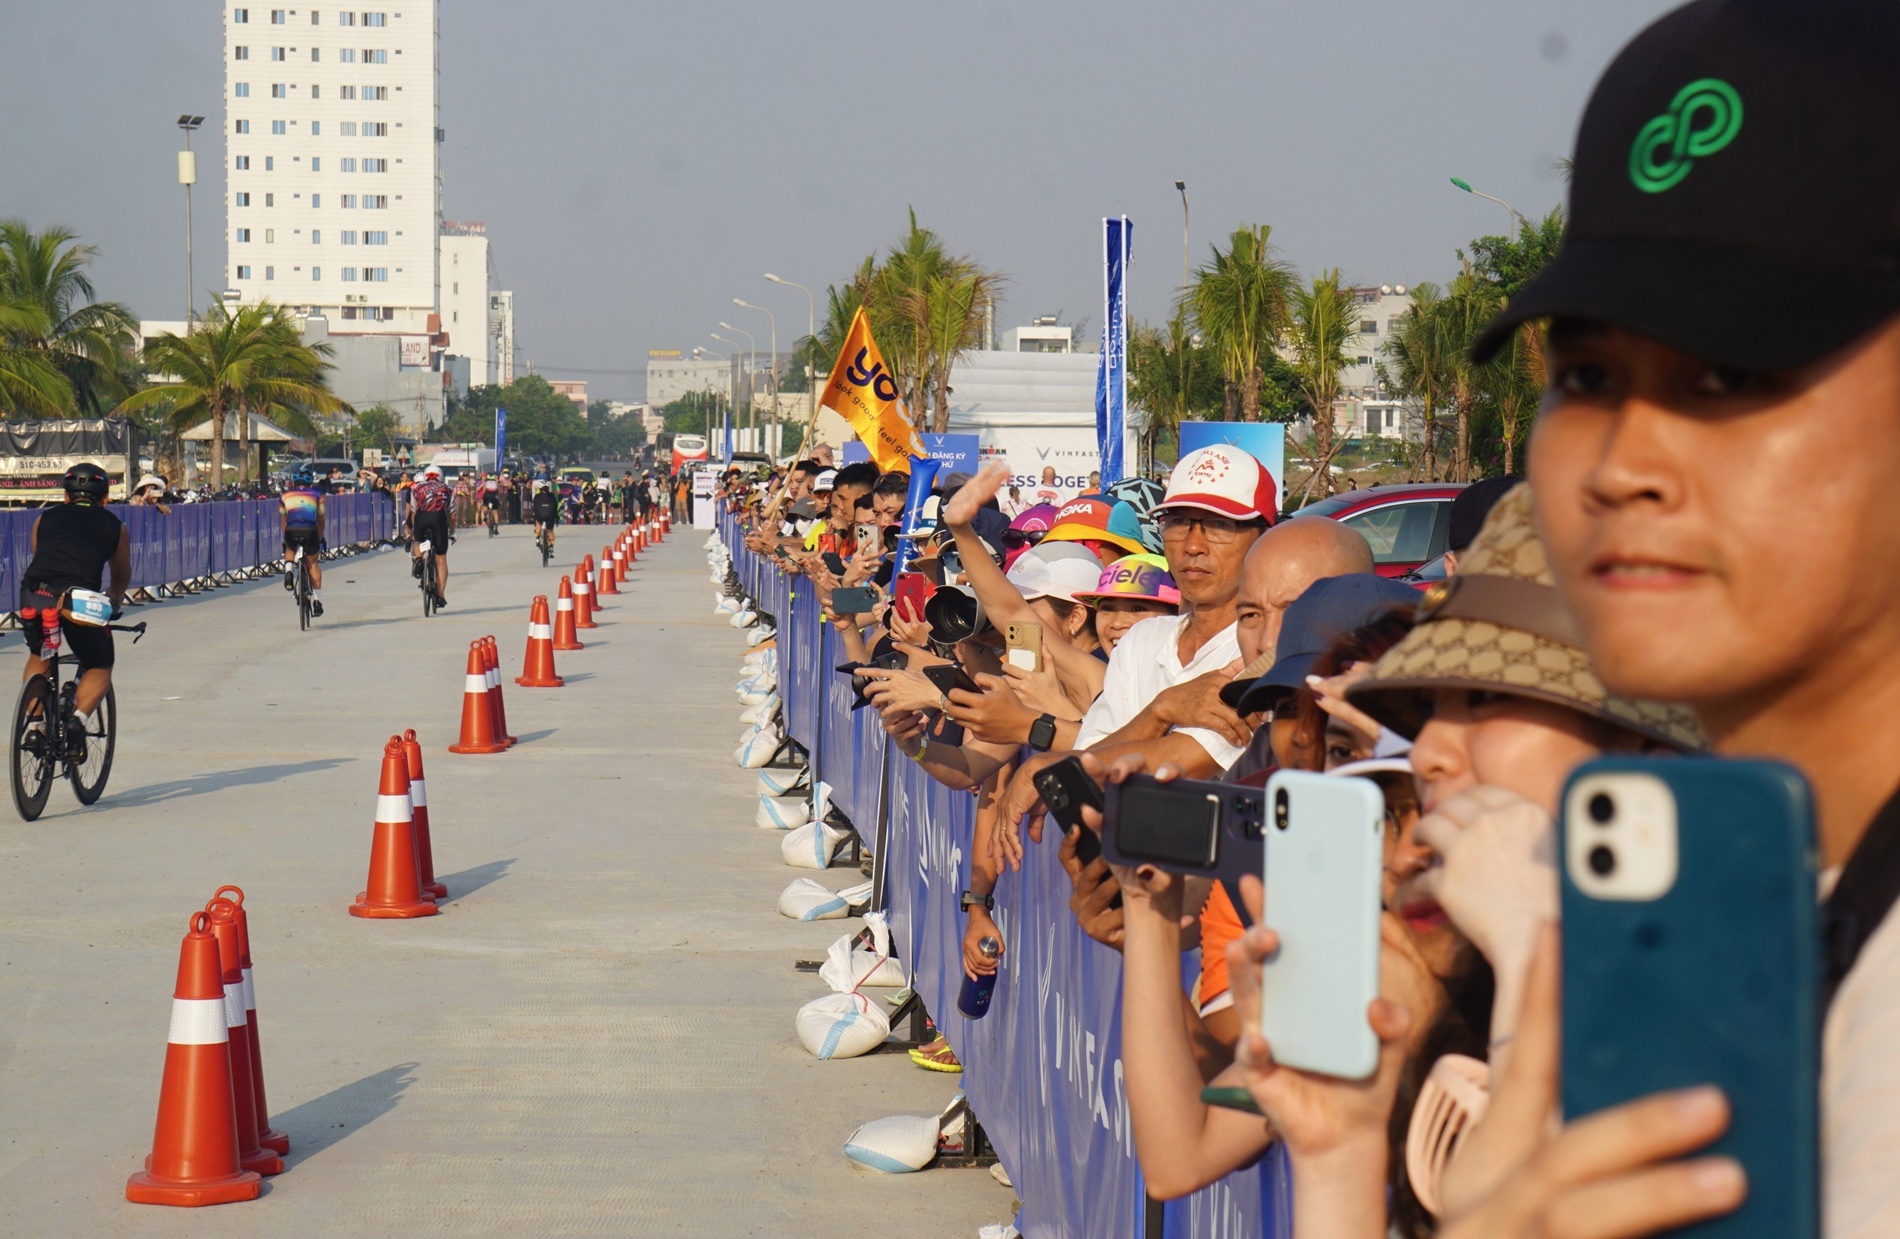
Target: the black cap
(1736, 191)
(1329, 609)
(1472, 505)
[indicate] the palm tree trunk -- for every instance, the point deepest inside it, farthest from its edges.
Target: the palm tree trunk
(217, 447)
(1461, 463)
(940, 414)
(244, 442)
(1431, 435)
(1250, 395)
(1323, 447)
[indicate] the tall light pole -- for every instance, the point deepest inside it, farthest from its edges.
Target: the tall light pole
(752, 368)
(1517, 217)
(716, 357)
(737, 349)
(771, 431)
(1181, 188)
(188, 176)
(811, 338)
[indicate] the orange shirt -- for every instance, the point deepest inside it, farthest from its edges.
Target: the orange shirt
(1220, 925)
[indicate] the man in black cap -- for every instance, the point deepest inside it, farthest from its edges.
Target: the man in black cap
(1724, 359)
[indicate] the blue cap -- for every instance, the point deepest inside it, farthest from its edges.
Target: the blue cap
(1328, 610)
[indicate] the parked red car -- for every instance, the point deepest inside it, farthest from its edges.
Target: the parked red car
(1407, 524)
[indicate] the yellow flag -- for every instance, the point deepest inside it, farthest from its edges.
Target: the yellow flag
(861, 391)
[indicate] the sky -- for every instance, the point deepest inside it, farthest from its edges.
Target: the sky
(641, 164)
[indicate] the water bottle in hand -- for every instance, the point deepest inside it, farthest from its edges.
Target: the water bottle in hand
(974, 1000)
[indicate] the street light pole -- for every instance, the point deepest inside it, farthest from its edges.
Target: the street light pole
(1517, 217)
(811, 339)
(752, 368)
(188, 176)
(736, 347)
(771, 424)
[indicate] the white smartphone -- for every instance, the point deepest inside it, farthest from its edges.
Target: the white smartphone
(1325, 855)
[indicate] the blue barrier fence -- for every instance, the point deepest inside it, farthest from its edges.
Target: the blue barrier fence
(1043, 1069)
(198, 540)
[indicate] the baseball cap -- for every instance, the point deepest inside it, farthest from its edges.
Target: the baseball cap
(1036, 575)
(1329, 609)
(432, 471)
(1221, 478)
(1472, 505)
(827, 479)
(1092, 518)
(1735, 169)
(926, 518)
(1036, 518)
(1138, 578)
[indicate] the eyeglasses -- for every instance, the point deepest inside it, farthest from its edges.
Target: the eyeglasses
(1017, 539)
(1218, 530)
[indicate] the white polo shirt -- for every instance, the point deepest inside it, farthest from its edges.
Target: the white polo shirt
(1148, 660)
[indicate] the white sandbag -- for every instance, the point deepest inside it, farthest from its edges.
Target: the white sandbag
(808, 899)
(811, 845)
(755, 693)
(763, 710)
(896, 1145)
(782, 782)
(755, 753)
(848, 967)
(742, 619)
(762, 633)
(728, 607)
(783, 812)
(843, 1026)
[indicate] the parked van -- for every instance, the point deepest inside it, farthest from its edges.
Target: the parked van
(464, 458)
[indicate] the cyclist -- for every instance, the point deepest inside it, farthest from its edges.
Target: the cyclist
(300, 516)
(491, 503)
(72, 546)
(546, 509)
(429, 522)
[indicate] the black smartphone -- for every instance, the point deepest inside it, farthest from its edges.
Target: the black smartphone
(947, 676)
(1065, 788)
(1186, 826)
(852, 600)
(834, 563)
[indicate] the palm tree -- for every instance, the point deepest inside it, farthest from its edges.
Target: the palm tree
(29, 381)
(1239, 303)
(1324, 324)
(926, 308)
(242, 361)
(954, 305)
(1417, 348)
(1516, 381)
(87, 341)
(1469, 305)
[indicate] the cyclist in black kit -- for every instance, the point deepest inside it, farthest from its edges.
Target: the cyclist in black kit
(546, 509)
(73, 544)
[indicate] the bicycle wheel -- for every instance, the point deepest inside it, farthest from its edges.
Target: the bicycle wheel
(90, 773)
(547, 550)
(303, 594)
(32, 764)
(428, 584)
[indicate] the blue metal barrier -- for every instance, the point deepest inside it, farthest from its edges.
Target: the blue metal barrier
(1043, 1070)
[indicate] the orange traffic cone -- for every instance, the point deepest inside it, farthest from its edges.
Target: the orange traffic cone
(267, 1135)
(478, 717)
(564, 636)
(609, 579)
(620, 565)
(640, 539)
(492, 652)
(194, 1157)
(537, 667)
(251, 1154)
(419, 813)
(395, 884)
(583, 597)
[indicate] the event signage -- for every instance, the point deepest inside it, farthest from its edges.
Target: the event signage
(862, 391)
(501, 435)
(34, 455)
(1111, 376)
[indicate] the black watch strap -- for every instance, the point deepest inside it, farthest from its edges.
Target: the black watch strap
(1042, 733)
(988, 901)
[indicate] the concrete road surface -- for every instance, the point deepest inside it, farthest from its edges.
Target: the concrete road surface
(593, 1038)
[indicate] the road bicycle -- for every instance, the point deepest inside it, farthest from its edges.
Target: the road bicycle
(427, 580)
(47, 738)
(300, 586)
(491, 516)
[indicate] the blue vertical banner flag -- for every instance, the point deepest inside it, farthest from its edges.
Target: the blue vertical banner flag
(501, 435)
(1112, 431)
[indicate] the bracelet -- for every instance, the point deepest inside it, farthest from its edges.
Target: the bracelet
(923, 746)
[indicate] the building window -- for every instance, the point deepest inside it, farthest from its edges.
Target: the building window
(376, 129)
(316, 128)
(277, 126)
(244, 272)
(243, 235)
(376, 92)
(243, 163)
(242, 90)
(316, 236)
(346, 19)
(376, 238)
(240, 53)
(277, 90)
(457, 286)
(346, 56)
(244, 200)
(375, 165)
(276, 17)
(270, 200)
(316, 200)
(276, 53)
(347, 129)
(346, 92)
(270, 273)
(269, 163)
(270, 236)
(375, 275)
(372, 19)
(313, 17)
(349, 165)
(375, 56)
(240, 16)
(349, 277)
(1368, 327)
(349, 236)
(349, 201)
(316, 273)
(316, 164)
(243, 126)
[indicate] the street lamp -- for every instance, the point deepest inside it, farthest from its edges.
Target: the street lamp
(811, 342)
(1516, 217)
(188, 176)
(736, 347)
(752, 368)
(771, 422)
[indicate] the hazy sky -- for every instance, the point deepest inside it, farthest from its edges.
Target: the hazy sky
(641, 164)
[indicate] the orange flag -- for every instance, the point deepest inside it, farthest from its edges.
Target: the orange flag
(861, 391)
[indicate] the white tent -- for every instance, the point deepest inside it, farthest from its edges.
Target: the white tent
(1036, 410)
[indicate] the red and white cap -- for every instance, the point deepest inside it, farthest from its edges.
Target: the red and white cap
(1222, 479)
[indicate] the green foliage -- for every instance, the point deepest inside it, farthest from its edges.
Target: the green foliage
(61, 352)
(614, 438)
(1323, 323)
(1239, 303)
(541, 421)
(376, 427)
(690, 413)
(1508, 264)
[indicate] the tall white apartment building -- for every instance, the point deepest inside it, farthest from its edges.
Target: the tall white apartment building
(478, 319)
(333, 187)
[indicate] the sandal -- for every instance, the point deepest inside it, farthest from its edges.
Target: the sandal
(937, 1056)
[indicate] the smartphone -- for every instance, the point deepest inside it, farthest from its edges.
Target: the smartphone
(852, 600)
(1231, 1099)
(1024, 642)
(1325, 856)
(833, 563)
(1692, 955)
(781, 552)
(947, 676)
(1185, 826)
(1065, 789)
(865, 535)
(912, 591)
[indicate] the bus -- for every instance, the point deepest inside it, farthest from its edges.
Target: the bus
(687, 448)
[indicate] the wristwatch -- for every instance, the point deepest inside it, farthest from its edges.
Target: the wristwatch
(1042, 733)
(970, 897)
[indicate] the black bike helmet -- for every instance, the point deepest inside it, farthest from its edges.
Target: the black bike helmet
(86, 481)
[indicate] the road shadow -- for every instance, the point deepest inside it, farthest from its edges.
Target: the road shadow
(581, 677)
(468, 881)
(198, 785)
(531, 736)
(322, 1121)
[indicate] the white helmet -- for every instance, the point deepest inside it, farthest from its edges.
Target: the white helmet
(432, 471)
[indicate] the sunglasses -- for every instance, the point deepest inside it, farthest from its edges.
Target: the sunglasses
(1017, 539)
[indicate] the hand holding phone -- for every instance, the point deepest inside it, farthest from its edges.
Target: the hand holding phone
(1024, 642)
(947, 676)
(852, 600)
(1066, 789)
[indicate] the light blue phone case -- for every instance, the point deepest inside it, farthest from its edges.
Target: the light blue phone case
(1323, 866)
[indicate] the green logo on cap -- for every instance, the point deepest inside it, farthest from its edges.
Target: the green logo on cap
(1703, 118)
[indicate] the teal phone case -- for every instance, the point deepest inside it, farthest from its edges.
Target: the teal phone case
(1716, 981)
(1322, 882)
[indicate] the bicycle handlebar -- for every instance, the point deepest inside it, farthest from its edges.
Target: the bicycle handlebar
(137, 630)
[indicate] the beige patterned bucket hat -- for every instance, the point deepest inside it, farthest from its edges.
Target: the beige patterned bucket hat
(1500, 625)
